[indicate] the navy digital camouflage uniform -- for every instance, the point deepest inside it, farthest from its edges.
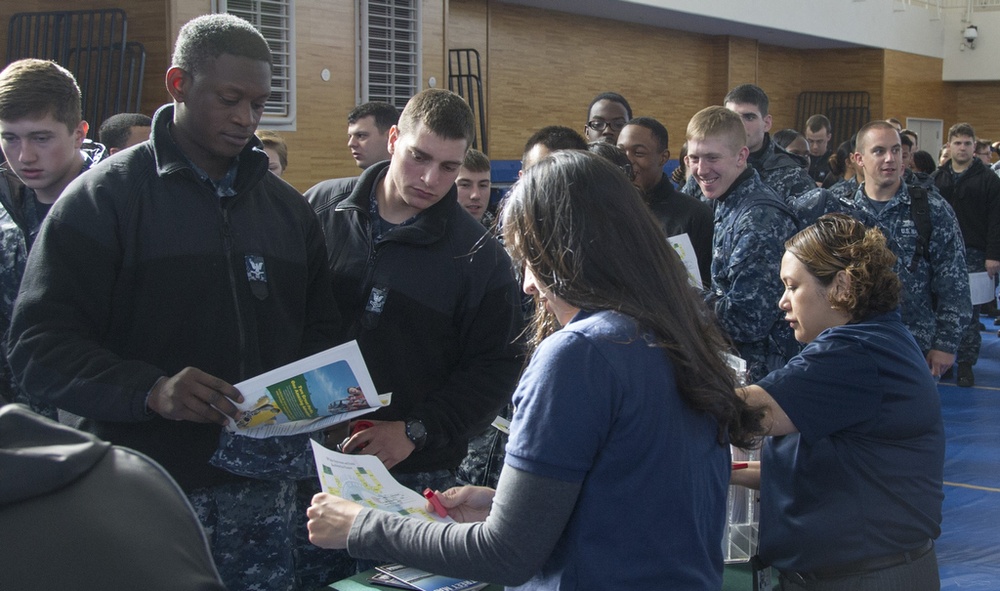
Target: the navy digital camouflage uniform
(250, 523)
(919, 179)
(778, 168)
(20, 218)
(842, 188)
(486, 454)
(746, 260)
(935, 302)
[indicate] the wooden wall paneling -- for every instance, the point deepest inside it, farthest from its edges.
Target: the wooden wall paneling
(913, 88)
(843, 70)
(147, 24)
(699, 77)
(780, 77)
(976, 104)
(434, 43)
(325, 40)
(542, 67)
(546, 66)
(468, 28)
(742, 63)
(718, 71)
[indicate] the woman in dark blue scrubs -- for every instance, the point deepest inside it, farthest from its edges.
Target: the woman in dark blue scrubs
(851, 481)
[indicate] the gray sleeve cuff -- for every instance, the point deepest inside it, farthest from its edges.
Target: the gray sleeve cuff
(528, 517)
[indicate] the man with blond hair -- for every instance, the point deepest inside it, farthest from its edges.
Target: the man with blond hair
(778, 168)
(751, 225)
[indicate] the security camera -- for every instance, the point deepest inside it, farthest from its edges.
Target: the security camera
(971, 33)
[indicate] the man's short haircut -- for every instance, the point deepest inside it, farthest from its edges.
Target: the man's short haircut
(817, 123)
(717, 121)
(613, 97)
(924, 162)
(906, 141)
(612, 154)
(896, 123)
(442, 112)
(961, 129)
(272, 139)
(33, 88)
(476, 161)
(115, 130)
(209, 36)
(786, 136)
(658, 130)
(983, 145)
(913, 135)
(385, 115)
(749, 94)
(556, 137)
(862, 137)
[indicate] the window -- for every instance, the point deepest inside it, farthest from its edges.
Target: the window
(274, 19)
(390, 50)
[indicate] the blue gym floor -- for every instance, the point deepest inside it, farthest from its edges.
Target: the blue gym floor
(969, 547)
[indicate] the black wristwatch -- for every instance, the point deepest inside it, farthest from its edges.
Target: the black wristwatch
(417, 433)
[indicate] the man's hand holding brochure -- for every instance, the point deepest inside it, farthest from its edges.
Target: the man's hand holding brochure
(307, 395)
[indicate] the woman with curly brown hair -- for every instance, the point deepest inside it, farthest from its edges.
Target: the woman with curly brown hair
(851, 483)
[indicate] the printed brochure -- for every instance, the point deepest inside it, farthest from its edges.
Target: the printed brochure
(421, 580)
(307, 395)
(366, 481)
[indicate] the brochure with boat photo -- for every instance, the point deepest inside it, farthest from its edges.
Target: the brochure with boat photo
(307, 395)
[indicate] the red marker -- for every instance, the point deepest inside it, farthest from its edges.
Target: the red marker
(436, 502)
(740, 465)
(355, 428)
(361, 426)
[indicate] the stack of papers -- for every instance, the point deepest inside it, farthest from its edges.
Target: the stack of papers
(404, 577)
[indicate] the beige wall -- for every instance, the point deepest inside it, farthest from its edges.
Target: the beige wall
(317, 150)
(913, 88)
(325, 39)
(542, 67)
(147, 23)
(976, 103)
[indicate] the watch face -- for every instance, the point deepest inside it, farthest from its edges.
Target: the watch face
(415, 430)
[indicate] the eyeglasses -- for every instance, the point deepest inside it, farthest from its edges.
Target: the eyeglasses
(600, 125)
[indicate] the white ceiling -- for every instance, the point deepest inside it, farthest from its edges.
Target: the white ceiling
(684, 21)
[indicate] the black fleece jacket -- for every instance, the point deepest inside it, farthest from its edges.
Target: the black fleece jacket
(435, 308)
(140, 270)
(975, 197)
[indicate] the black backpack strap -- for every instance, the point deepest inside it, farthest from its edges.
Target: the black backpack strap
(920, 213)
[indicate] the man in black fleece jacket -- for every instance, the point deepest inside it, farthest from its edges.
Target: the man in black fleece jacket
(166, 274)
(973, 191)
(428, 294)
